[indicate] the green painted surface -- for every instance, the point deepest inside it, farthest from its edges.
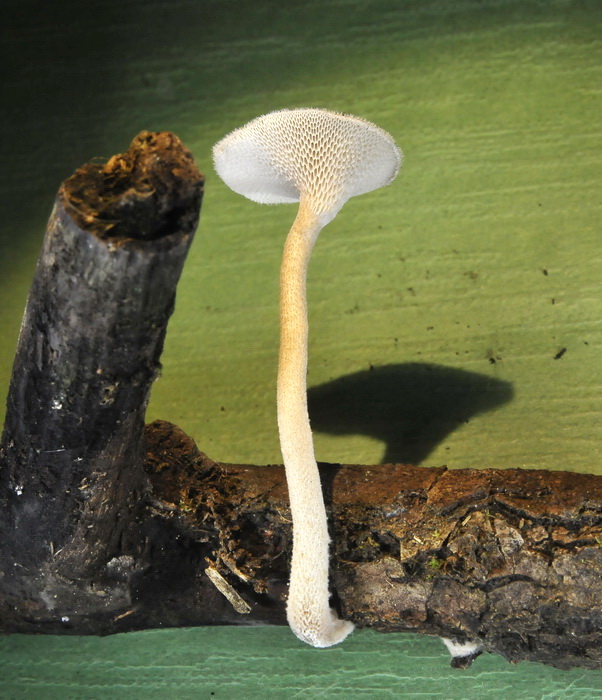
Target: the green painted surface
(483, 259)
(228, 664)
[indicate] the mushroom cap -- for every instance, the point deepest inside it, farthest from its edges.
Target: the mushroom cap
(321, 156)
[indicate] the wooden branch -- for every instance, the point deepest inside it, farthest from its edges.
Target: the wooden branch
(509, 557)
(109, 527)
(89, 349)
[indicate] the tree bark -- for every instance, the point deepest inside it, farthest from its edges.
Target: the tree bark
(108, 526)
(508, 557)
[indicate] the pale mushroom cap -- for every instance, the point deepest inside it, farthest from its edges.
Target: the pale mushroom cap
(323, 156)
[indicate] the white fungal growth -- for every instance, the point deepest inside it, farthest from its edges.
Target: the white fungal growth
(319, 159)
(461, 650)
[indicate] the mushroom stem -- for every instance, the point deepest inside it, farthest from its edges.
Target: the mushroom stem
(308, 611)
(319, 159)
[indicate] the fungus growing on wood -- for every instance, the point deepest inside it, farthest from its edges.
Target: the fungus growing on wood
(319, 159)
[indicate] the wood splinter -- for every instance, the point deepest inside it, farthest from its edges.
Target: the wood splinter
(236, 601)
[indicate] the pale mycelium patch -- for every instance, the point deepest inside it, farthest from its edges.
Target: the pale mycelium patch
(462, 650)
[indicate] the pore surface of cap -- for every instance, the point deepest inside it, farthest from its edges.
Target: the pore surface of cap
(322, 156)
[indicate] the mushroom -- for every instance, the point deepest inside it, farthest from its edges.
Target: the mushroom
(320, 159)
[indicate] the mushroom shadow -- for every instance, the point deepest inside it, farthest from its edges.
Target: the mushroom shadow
(410, 407)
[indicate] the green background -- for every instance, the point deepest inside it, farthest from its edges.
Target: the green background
(439, 306)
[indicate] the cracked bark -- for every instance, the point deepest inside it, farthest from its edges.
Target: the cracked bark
(108, 526)
(509, 557)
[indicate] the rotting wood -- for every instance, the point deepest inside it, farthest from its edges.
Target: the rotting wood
(71, 455)
(510, 557)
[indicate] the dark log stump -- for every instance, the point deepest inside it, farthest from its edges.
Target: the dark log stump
(71, 457)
